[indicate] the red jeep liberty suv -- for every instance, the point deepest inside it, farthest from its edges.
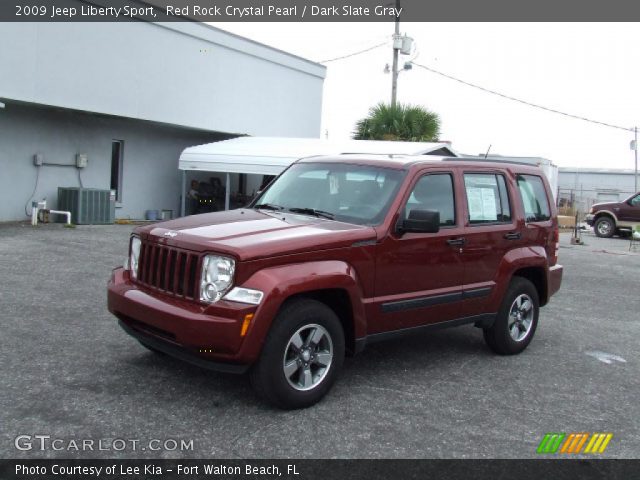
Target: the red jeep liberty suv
(339, 252)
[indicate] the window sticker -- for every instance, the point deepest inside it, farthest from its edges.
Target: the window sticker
(482, 204)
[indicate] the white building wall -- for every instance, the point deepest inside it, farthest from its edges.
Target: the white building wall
(585, 187)
(150, 177)
(74, 87)
(184, 74)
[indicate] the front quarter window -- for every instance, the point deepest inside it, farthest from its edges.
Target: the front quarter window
(352, 193)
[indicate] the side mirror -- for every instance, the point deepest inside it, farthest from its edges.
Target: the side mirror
(421, 221)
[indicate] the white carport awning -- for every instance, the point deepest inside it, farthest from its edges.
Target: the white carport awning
(271, 155)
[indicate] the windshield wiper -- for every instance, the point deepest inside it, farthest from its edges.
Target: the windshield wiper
(313, 211)
(268, 206)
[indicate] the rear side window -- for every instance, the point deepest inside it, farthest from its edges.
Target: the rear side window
(487, 199)
(534, 198)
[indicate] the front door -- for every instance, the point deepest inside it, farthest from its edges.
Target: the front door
(419, 275)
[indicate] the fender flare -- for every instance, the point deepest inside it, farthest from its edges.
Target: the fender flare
(282, 282)
(514, 260)
(604, 212)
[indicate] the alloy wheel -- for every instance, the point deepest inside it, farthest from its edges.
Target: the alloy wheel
(520, 317)
(307, 357)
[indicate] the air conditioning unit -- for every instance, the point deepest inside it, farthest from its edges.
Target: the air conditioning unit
(88, 206)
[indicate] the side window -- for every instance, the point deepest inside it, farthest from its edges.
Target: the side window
(635, 201)
(534, 198)
(487, 198)
(434, 192)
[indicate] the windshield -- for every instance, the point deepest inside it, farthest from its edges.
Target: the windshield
(359, 194)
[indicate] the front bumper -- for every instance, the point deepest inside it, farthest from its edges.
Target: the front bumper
(181, 353)
(205, 335)
(589, 219)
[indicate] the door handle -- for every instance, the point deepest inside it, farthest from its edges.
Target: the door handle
(512, 236)
(456, 242)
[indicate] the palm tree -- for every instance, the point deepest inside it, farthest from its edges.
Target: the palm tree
(403, 122)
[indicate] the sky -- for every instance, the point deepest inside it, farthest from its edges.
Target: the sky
(585, 69)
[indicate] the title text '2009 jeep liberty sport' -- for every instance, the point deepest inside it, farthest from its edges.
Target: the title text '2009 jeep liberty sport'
(339, 252)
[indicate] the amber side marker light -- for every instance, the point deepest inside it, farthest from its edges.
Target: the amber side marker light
(245, 324)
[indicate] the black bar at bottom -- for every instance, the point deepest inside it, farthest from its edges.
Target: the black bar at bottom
(190, 469)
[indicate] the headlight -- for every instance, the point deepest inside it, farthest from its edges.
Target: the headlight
(217, 277)
(134, 256)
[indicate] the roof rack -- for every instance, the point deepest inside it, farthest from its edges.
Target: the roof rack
(489, 160)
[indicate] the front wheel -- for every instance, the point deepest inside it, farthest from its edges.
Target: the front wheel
(302, 355)
(604, 227)
(517, 319)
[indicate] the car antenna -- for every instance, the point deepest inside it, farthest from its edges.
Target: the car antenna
(487, 154)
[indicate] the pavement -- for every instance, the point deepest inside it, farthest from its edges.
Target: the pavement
(70, 373)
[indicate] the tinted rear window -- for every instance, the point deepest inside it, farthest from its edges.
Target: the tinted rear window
(534, 198)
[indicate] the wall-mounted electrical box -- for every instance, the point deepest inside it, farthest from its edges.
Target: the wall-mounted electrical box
(82, 160)
(38, 159)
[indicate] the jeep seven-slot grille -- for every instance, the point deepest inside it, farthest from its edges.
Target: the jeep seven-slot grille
(168, 269)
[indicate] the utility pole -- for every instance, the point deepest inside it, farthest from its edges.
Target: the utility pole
(635, 151)
(394, 70)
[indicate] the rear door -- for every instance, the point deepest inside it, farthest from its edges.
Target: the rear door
(490, 231)
(419, 275)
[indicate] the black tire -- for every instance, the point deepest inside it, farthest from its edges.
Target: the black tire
(268, 376)
(604, 227)
(499, 336)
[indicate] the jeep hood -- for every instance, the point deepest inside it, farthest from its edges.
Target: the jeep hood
(249, 234)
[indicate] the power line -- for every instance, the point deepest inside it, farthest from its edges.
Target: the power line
(552, 110)
(355, 53)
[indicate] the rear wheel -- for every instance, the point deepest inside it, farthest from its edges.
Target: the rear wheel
(604, 227)
(302, 355)
(517, 319)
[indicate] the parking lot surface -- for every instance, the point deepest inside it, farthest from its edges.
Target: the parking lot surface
(69, 371)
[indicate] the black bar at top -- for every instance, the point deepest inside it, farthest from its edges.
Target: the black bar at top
(318, 10)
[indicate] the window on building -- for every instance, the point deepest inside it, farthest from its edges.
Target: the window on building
(117, 149)
(487, 198)
(534, 198)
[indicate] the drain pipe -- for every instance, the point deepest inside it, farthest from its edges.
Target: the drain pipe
(62, 212)
(37, 206)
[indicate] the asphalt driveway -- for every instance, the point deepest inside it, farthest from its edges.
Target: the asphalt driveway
(70, 373)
